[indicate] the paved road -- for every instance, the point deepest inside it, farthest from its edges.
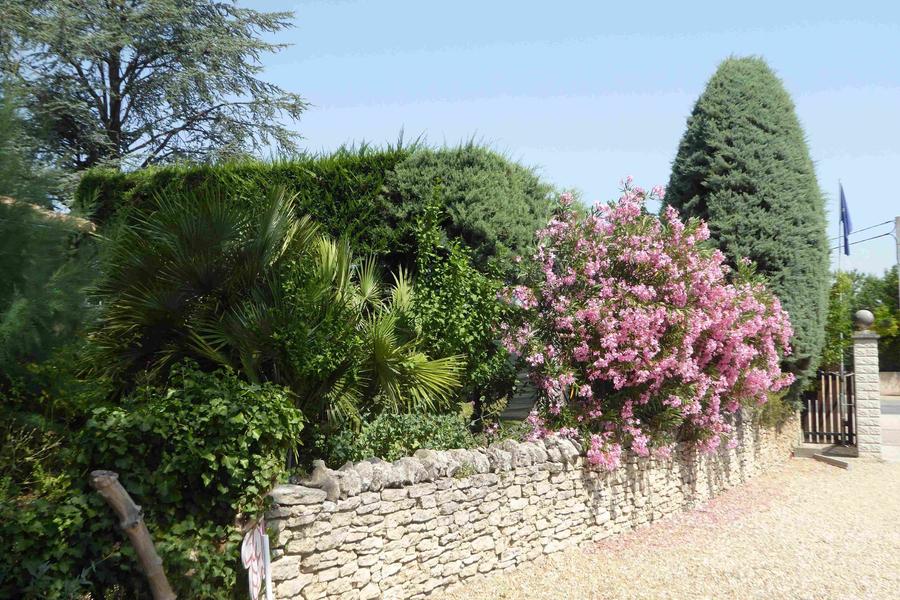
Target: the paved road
(890, 405)
(890, 428)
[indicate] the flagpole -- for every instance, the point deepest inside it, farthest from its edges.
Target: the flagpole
(841, 238)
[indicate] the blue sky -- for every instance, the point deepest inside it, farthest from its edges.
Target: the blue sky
(588, 92)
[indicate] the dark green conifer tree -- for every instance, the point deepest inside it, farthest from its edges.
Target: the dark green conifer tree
(743, 166)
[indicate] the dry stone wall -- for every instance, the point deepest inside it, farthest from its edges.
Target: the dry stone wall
(413, 527)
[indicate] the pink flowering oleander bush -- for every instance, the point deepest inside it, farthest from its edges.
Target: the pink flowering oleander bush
(637, 335)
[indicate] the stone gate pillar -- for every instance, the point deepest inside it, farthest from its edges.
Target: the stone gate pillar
(868, 392)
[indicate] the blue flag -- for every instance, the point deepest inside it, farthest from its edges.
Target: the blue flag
(846, 225)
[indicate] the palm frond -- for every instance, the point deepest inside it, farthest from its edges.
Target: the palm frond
(334, 260)
(369, 284)
(402, 291)
(406, 380)
(432, 382)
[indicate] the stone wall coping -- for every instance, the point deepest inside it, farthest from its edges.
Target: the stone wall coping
(424, 466)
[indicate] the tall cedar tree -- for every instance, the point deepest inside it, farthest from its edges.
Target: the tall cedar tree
(146, 81)
(744, 167)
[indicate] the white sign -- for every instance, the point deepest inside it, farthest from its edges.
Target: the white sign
(255, 558)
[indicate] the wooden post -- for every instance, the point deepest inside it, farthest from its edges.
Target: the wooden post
(131, 519)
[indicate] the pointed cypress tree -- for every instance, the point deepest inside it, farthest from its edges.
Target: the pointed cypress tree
(744, 167)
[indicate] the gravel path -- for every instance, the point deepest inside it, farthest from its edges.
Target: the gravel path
(807, 530)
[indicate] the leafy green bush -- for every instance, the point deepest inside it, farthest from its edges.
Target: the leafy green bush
(197, 454)
(491, 203)
(23, 174)
(743, 166)
(776, 411)
(393, 436)
(853, 291)
(51, 535)
(46, 265)
(208, 444)
(839, 326)
(458, 311)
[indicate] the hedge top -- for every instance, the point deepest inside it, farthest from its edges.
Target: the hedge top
(372, 197)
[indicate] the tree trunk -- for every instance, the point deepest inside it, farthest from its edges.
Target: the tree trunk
(131, 520)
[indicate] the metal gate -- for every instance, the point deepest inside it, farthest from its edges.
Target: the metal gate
(829, 411)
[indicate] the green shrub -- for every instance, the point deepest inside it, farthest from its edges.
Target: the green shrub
(197, 454)
(743, 166)
(458, 312)
(262, 292)
(879, 295)
(839, 326)
(393, 436)
(853, 291)
(46, 265)
(208, 444)
(491, 203)
(776, 411)
(52, 538)
(23, 173)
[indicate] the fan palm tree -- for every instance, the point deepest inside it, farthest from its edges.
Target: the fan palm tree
(386, 371)
(263, 292)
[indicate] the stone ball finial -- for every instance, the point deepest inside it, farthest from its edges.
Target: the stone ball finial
(863, 319)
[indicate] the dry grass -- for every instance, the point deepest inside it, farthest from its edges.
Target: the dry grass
(807, 531)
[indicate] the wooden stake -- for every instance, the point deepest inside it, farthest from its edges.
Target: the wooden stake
(131, 519)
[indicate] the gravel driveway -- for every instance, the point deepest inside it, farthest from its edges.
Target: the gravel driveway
(806, 530)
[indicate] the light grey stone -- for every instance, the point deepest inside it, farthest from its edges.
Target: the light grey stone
(412, 469)
(364, 470)
(350, 481)
(500, 459)
(526, 499)
(325, 479)
(290, 495)
(370, 592)
(292, 587)
(380, 474)
(286, 567)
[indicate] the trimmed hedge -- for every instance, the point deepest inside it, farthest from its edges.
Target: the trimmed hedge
(372, 197)
(343, 192)
(493, 205)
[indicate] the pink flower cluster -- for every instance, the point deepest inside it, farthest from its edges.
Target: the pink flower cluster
(639, 335)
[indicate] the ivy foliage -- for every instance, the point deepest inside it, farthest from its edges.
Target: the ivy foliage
(744, 167)
(197, 454)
